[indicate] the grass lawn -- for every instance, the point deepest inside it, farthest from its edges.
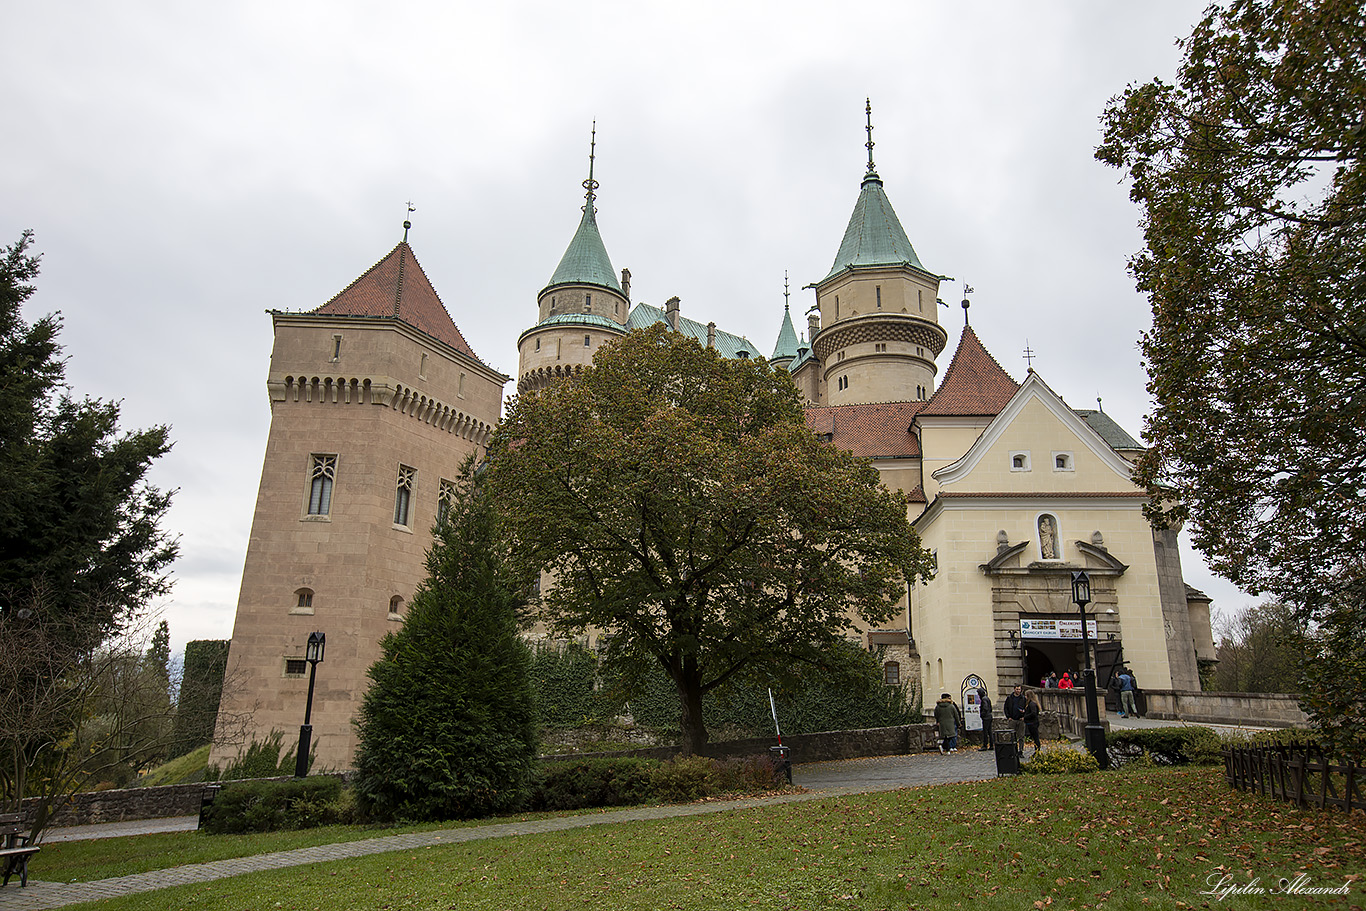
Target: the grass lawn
(1154, 838)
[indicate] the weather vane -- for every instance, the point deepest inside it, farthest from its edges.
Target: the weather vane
(407, 223)
(967, 289)
(1029, 356)
(590, 184)
(868, 110)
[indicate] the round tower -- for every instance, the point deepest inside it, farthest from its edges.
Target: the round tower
(581, 307)
(879, 322)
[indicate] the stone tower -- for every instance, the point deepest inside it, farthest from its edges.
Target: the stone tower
(878, 332)
(375, 400)
(583, 305)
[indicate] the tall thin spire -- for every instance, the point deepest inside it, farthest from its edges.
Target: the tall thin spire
(590, 184)
(868, 110)
(787, 294)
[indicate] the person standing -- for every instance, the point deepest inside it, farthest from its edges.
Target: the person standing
(1031, 718)
(1015, 706)
(1127, 705)
(1066, 682)
(950, 720)
(985, 704)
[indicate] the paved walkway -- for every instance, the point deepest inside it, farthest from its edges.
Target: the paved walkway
(824, 779)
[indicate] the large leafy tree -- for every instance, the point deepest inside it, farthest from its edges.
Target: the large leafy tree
(81, 547)
(1249, 172)
(447, 728)
(681, 506)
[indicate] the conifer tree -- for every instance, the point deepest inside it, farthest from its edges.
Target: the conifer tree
(447, 728)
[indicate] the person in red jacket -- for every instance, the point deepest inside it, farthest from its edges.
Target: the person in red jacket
(1066, 682)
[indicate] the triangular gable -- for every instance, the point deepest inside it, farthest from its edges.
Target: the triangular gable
(396, 287)
(975, 385)
(1034, 389)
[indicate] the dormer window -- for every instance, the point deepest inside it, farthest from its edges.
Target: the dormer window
(1019, 461)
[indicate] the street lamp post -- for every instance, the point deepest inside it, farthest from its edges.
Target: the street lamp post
(1095, 731)
(314, 656)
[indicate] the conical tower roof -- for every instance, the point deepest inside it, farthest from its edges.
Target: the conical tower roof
(874, 236)
(787, 338)
(974, 385)
(396, 287)
(586, 261)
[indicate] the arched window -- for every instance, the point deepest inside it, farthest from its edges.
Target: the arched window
(1019, 461)
(395, 607)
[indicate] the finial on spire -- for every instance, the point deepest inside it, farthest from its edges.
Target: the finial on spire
(590, 184)
(967, 289)
(786, 293)
(1029, 356)
(407, 223)
(1099, 405)
(868, 110)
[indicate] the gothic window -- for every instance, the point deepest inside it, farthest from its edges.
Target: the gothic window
(444, 500)
(320, 477)
(1048, 537)
(395, 605)
(404, 494)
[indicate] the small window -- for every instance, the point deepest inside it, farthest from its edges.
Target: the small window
(552, 303)
(321, 476)
(444, 500)
(1062, 461)
(422, 367)
(305, 597)
(1019, 461)
(587, 303)
(587, 341)
(404, 494)
(296, 667)
(879, 296)
(891, 673)
(920, 300)
(538, 344)
(336, 347)
(395, 607)
(460, 388)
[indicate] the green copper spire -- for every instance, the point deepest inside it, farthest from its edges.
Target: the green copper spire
(586, 261)
(786, 349)
(874, 236)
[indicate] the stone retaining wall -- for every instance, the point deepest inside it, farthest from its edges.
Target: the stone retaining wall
(1279, 710)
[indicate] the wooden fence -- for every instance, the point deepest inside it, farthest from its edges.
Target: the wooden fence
(1304, 776)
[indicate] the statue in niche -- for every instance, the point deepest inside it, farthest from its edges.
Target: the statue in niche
(1048, 537)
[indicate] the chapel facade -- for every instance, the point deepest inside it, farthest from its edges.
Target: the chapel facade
(376, 399)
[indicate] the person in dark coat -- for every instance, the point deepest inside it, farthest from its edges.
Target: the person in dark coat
(986, 718)
(950, 721)
(1031, 719)
(1015, 706)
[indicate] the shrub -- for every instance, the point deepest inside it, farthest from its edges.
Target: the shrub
(1282, 737)
(744, 776)
(447, 729)
(1060, 760)
(1165, 746)
(268, 806)
(682, 779)
(261, 759)
(579, 784)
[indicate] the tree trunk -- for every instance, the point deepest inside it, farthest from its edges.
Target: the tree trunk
(694, 731)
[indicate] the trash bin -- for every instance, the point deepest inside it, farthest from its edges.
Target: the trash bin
(1007, 753)
(206, 800)
(782, 762)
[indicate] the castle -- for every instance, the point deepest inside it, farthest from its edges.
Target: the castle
(376, 398)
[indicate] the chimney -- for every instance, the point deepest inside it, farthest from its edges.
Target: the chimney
(671, 313)
(711, 335)
(813, 324)
(626, 284)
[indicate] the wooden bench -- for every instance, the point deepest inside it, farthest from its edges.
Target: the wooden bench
(15, 849)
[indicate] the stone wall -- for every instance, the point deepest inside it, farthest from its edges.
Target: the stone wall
(1279, 710)
(822, 747)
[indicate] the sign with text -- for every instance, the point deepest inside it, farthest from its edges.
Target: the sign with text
(1055, 629)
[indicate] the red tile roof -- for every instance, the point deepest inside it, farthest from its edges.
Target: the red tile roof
(397, 287)
(881, 431)
(974, 385)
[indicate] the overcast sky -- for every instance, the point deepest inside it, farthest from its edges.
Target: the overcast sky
(188, 166)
